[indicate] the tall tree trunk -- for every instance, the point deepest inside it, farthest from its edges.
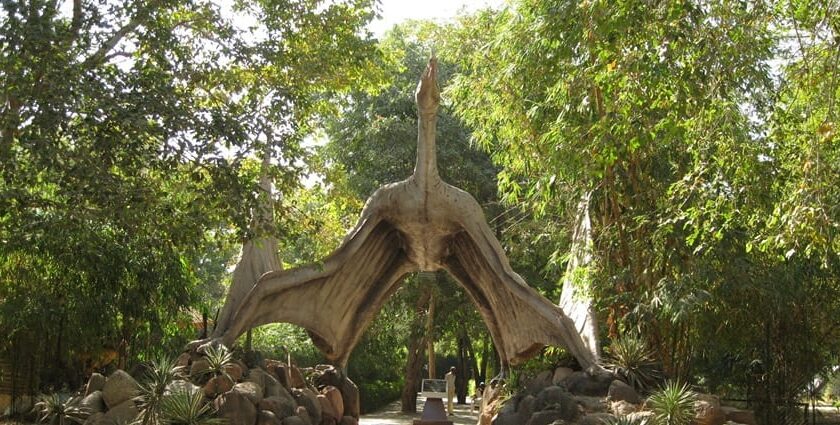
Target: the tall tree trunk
(462, 376)
(430, 326)
(414, 358)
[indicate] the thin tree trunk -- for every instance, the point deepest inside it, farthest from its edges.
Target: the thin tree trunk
(461, 377)
(414, 358)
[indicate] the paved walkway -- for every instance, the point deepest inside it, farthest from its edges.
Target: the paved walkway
(391, 415)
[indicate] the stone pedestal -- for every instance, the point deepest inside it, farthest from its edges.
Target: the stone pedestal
(433, 413)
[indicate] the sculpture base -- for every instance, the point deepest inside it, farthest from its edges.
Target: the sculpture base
(433, 413)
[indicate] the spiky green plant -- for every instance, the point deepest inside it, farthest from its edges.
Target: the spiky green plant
(673, 404)
(185, 407)
(60, 409)
(624, 420)
(630, 358)
(218, 358)
(159, 375)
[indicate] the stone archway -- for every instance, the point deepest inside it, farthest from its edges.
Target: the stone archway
(417, 224)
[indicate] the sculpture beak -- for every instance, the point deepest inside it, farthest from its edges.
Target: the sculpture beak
(427, 94)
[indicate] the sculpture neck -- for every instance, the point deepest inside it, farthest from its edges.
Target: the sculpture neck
(425, 170)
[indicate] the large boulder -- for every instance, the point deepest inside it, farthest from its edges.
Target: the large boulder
(350, 396)
(328, 411)
(296, 378)
(217, 385)
(707, 410)
(96, 419)
(301, 412)
(622, 408)
(182, 386)
(546, 417)
(282, 408)
(266, 417)
(560, 374)
(334, 396)
(557, 399)
(746, 417)
(619, 391)
(596, 419)
(95, 383)
(236, 408)
(119, 388)
(93, 403)
(234, 371)
(536, 384)
(251, 390)
(271, 387)
(308, 399)
(183, 360)
(348, 420)
(293, 420)
(122, 413)
(592, 404)
(582, 383)
(526, 406)
(199, 367)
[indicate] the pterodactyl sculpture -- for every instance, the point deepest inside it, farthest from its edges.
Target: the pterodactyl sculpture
(418, 224)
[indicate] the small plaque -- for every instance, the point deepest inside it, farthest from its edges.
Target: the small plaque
(433, 388)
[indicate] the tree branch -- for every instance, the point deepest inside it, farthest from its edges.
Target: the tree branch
(101, 54)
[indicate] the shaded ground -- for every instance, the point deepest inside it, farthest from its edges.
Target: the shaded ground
(391, 415)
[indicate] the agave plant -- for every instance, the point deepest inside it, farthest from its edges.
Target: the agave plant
(60, 409)
(630, 358)
(218, 359)
(673, 404)
(185, 407)
(159, 375)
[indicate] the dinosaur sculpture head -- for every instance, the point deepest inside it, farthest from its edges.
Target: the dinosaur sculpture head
(427, 94)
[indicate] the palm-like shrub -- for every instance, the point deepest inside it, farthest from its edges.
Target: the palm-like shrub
(630, 358)
(673, 404)
(185, 407)
(159, 375)
(60, 409)
(218, 359)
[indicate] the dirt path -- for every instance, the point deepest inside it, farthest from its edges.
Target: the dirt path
(391, 415)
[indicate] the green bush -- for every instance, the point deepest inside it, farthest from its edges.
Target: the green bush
(630, 358)
(377, 394)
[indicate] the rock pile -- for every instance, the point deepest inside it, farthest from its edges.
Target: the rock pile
(566, 397)
(272, 393)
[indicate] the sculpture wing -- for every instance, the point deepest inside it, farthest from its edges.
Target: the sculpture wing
(334, 300)
(520, 320)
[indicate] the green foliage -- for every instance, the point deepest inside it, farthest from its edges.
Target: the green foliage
(218, 358)
(159, 375)
(630, 358)
(374, 395)
(673, 404)
(185, 407)
(624, 420)
(60, 409)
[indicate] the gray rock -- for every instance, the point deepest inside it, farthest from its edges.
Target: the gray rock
(119, 388)
(546, 417)
(327, 409)
(271, 387)
(96, 419)
(179, 385)
(619, 391)
(94, 402)
(508, 418)
(622, 408)
(303, 414)
(595, 419)
(557, 399)
(707, 410)
(582, 383)
(350, 395)
(560, 374)
(348, 420)
(542, 380)
(199, 367)
(525, 407)
(281, 408)
(293, 420)
(592, 404)
(236, 408)
(266, 417)
(95, 383)
(334, 396)
(251, 390)
(308, 399)
(123, 413)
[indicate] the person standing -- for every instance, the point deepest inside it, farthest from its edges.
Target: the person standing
(450, 390)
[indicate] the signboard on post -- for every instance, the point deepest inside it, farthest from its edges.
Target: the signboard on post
(433, 388)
